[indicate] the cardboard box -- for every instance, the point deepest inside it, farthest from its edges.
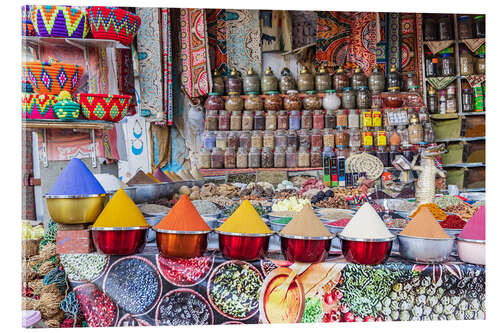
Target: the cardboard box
(74, 241)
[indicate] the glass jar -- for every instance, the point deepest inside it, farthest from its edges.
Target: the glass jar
(217, 159)
(380, 137)
(354, 137)
(233, 140)
(428, 133)
(234, 102)
(465, 28)
(342, 118)
(340, 80)
(415, 131)
(393, 98)
(212, 123)
(303, 157)
(393, 78)
(376, 81)
(353, 118)
(214, 102)
(479, 27)
(209, 140)
(394, 138)
(282, 120)
(287, 82)
(330, 119)
(253, 102)
(217, 83)
(254, 158)
(306, 120)
(318, 119)
(367, 137)
(383, 155)
(259, 121)
(358, 79)
(447, 65)
(393, 152)
(247, 121)
(291, 157)
(364, 98)
(466, 63)
(451, 103)
(444, 28)
(242, 158)
(269, 82)
(341, 137)
(245, 140)
(409, 82)
(442, 102)
(294, 120)
(280, 138)
(273, 101)
(271, 120)
(305, 81)
(430, 28)
(403, 134)
(279, 157)
(304, 138)
(251, 82)
(205, 159)
(267, 158)
(331, 101)
(467, 100)
(221, 140)
(230, 158)
(268, 139)
(431, 64)
(311, 101)
(235, 121)
(256, 140)
(329, 138)
(348, 98)
(233, 82)
(223, 120)
(291, 139)
(481, 65)
(316, 138)
(316, 157)
(323, 80)
(292, 101)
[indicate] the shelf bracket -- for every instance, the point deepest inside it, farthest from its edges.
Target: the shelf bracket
(93, 148)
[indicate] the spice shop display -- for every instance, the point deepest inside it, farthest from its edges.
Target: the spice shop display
(311, 101)
(251, 82)
(376, 81)
(323, 80)
(273, 101)
(253, 102)
(269, 82)
(471, 241)
(305, 80)
(233, 82)
(286, 82)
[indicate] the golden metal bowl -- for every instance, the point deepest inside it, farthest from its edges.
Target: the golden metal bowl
(181, 244)
(75, 209)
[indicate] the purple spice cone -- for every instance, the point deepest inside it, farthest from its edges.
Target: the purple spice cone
(76, 179)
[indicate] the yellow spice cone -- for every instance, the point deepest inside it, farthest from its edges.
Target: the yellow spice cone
(120, 212)
(245, 220)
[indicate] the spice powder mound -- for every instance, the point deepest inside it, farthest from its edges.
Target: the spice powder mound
(366, 224)
(140, 178)
(424, 225)
(120, 212)
(306, 224)
(475, 229)
(183, 217)
(245, 220)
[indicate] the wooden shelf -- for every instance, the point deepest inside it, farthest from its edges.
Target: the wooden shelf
(222, 172)
(79, 42)
(60, 124)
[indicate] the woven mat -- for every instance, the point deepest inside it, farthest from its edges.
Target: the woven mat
(435, 47)
(365, 163)
(474, 44)
(441, 82)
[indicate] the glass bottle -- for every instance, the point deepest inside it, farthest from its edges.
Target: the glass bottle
(291, 139)
(342, 118)
(330, 119)
(292, 101)
(234, 102)
(354, 137)
(267, 157)
(451, 103)
(466, 63)
(209, 140)
(217, 158)
(245, 140)
(214, 102)
(410, 82)
(205, 159)
(294, 120)
(233, 82)
(223, 120)
(348, 98)
(403, 134)
(268, 139)
(329, 138)
(393, 78)
(316, 157)
(323, 80)
(316, 138)
(442, 102)
(271, 120)
(376, 81)
(280, 157)
(247, 121)
(340, 79)
(331, 101)
(303, 157)
(467, 100)
(212, 123)
(383, 155)
(306, 120)
(311, 101)
(430, 28)
(341, 137)
(232, 140)
(353, 118)
(304, 138)
(291, 157)
(221, 140)
(259, 120)
(432, 101)
(363, 98)
(428, 133)
(358, 79)
(444, 28)
(280, 138)
(318, 119)
(217, 82)
(465, 27)
(269, 82)
(283, 120)
(253, 102)
(447, 65)
(273, 101)
(305, 81)
(242, 158)
(254, 158)
(393, 98)
(256, 139)
(235, 121)
(431, 64)
(479, 27)
(415, 131)
(481, 65)
(287, 82)
(251, 82)
(230, 158)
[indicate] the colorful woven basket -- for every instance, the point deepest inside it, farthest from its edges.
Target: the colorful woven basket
(52, 77)
(104, 107)
(67, 110)
(60, 21)
(113, 23)
(26, 25)
(38, 106)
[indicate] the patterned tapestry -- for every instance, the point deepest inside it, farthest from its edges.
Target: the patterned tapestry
(381, 53)
(409, 50)
(420, 41)
(333, 30)
(166, 34)
(194, 50)
(243, 40)
(394, 40)
(216, 32)
(363, 42)
(125, 76)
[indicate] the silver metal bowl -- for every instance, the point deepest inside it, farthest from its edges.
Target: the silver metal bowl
(148, 192)
(425, 250)
(131, 191)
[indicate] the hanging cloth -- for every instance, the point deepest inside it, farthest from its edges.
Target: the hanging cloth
(474, 44)
(333, 31)
(166, 34)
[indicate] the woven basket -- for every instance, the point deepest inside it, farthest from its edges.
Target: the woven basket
(60, 21)
(69, 111)
(52, 78)
(26, 25)
(38, 106)
(104, 107)
(30, 247)
(113, 23)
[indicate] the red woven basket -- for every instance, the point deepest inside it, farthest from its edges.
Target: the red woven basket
(52, 78)
(113, 23)
(38, 106)
(103, 106)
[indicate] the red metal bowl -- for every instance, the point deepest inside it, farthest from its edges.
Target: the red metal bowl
(366, 251)
(305, 249)
(119, 241)
(243, 246)
(181, 244)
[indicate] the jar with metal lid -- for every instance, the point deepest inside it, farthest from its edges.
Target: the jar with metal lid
(430, 28)
(280, 138)
(393, 98)
(259, 120)
(214, 102)
(205, 159)
(311, 101)
(415, 131)
(348, 98)
(217, 82)
(294, 120)
(282, 119)
(316, 157)
(221, 140)
(269, 82)
(268, 139)
(267, 157)
(273, 101)
(256, 140)
(409, 80)
(233, 82)
(251, 82)
(376, 81)
(212, 123)
(292, 101)
(303, 157)
(234, 102)
(431, 64)
(481, 65)
(323, 80)
(217, 159)
(342, 119)
(467, 100)
(466, 63)
(304, 138)
(280, 157)
(354, 137)
(329, 138)
(242, 158)
(271, 120)
(291, 138)
(305, 81)
(428, 133)
(318, 119)
(353, 118)
(444, 28)
(403, 134)
(306, 120)
(209, 140)
(235, 124)
(247, 121)
(342, 152)
(253, 102)
(341, 137)
(340, 79)
(254, 158)
(291, 157)
(465, 27)
(223, 120)
(330, 119)
(287, 82)
(451, 103)
(393, 78)
(367, 137)
(479, 27)
(331, 101)
(432, 101)
(316, 138)
(230, 158)
(358, 79)
(364, 98)
(383, 155)
(233, 140)
(245, 140)
(447, 65)
(394, 138)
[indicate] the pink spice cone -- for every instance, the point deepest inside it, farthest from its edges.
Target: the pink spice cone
(476, 227)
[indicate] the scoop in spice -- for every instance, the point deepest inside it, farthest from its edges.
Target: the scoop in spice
(476, 227)
(424, 225)
(306, 224)
(366, 224)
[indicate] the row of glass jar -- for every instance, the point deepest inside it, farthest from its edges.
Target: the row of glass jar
(441, 28)
(444, 65)
(447, 102)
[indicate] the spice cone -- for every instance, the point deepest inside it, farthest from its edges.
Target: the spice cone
(245, 220)
(306, 224)
(120, 212)
(424, 225)
(183, 217)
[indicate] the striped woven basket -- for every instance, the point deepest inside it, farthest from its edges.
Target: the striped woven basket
(38, 106)
(26, 25)
(52, 78)
(67, 110)
(113, 23)
(60, 21)
(104, 107)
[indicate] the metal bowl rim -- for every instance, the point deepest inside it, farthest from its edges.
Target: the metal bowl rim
(423, 238)
(182, 232)
(478, 241)
(243, 234)
(122, 188)
(306, 237)
(74, 196)
(118, 228)
(374, 240)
